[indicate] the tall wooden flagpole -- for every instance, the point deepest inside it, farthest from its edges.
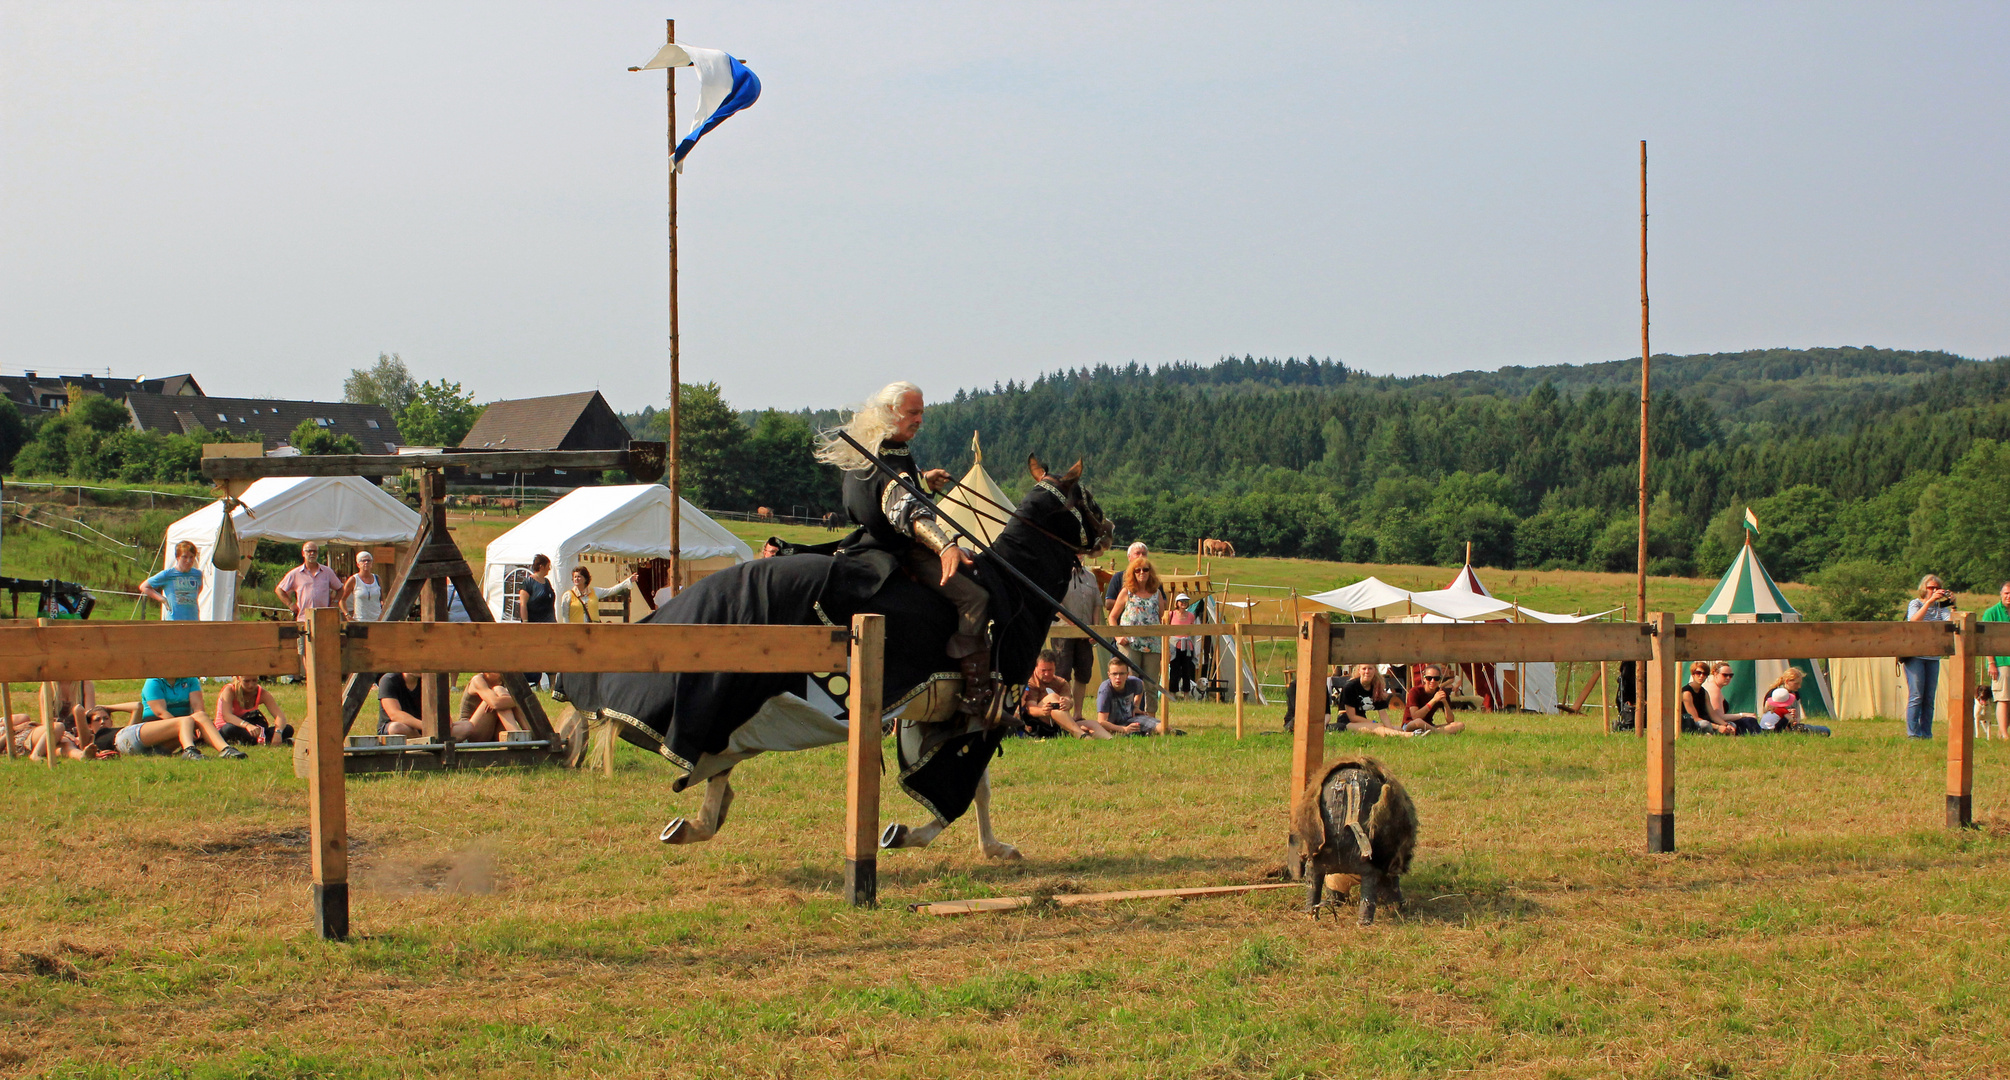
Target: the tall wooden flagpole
(674, 463)
(1640, 699)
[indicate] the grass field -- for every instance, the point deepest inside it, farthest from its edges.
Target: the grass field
(1818, 920)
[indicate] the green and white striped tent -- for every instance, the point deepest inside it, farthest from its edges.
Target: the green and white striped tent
(1747, 594)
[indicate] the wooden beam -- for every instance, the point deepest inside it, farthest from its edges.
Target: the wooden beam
(66, 651)
(1196, 629)
(637, 459)
(1786, 641)
(862, 760)
(601, 647)
(1663, 721)
(1014, 903)
(327, 793)
(1481, 643)
(1308, 738)
(1960, 690)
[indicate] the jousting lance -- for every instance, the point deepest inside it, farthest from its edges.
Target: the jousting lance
(908, 484)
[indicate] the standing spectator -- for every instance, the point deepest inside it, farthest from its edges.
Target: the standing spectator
(1922, 673)
(177, 588)
(171, 713)
(363, 593)
(1120, 702)
(1427, 700)
(1132, 554)
(1183, 651)
(309, 585)
(1139, 603)
(1075, 658)
(536, 602)
(576, 605)
(1999, 666)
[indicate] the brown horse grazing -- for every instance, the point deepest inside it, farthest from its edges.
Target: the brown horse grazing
(1217, 548)
(767, 512)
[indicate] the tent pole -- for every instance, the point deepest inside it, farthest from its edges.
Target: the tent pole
(672, 458)
(1645, 353)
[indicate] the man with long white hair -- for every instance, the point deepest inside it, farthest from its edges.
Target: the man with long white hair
(896, 529)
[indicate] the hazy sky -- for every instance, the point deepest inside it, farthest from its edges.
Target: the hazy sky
(268, 194)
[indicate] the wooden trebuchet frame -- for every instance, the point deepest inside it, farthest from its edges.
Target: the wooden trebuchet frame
(1664, 645)
(326, 652)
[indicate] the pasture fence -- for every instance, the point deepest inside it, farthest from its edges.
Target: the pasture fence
(1664, 646)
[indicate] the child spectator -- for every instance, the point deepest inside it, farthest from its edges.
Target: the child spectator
(1183, 649)
(1120, 702)
(1783, 706)
(240, 713)
(177, 588)
(1365, 692)
(172, 715)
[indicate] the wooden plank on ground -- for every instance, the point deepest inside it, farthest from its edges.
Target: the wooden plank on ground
(1480, 643)
(1013, 903)
(67, 651)
(1787, 641)
(647, 647)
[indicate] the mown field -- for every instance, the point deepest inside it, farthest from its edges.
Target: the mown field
(1818, 920)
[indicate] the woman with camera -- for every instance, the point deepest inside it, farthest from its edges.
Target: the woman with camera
(1922, 673)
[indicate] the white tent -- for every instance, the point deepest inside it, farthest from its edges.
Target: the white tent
(296, 509)
(967, 503)
(631, 520)
(1368, 598)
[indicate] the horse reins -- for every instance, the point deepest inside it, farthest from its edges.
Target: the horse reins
(1081, 523)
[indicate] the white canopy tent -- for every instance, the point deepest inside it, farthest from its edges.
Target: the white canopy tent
(630, 521)
(976, 500)
(296, 509)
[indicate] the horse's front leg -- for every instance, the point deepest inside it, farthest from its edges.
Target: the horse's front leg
(992, 847)
(712, 815)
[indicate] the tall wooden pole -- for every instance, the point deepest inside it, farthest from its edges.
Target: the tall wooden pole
(676, 491)
(1645, 353)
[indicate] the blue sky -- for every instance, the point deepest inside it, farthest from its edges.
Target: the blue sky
(270, 194)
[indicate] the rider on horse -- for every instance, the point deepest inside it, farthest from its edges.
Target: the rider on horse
(898, 531)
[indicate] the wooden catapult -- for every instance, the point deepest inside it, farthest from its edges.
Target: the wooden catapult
(433, 565)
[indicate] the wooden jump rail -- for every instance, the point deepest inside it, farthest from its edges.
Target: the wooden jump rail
(1664, 646)
(326, 652)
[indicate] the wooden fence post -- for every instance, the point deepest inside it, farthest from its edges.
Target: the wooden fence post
(1960, 710)
(48, 726)
(862, 761)
(1662, 722)
(7, 709)
(327, 795)
(1165, 686)
(1605, 695)
(1241, 648)
(1308, 740)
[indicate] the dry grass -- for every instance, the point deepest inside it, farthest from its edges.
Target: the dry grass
(1818, 921)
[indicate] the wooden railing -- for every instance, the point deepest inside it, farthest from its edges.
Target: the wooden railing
(326, 652)
(1241, 633)
(1664, 646)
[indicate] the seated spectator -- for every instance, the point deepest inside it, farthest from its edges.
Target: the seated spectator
(94, 738)
(172, 721)
(1364, 693)
(1120, 702)
(240, 710)
(487, 709)
(577, 604)
(1426, 701)
(1783, 706)
(1720, 680)
(398, 708)
(1694, 697)
(1046, 711)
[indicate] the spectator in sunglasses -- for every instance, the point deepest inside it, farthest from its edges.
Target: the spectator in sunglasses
(1430, 706)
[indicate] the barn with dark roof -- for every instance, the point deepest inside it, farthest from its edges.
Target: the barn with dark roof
(582, 421)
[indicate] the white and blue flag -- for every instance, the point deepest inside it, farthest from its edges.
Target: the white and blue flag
(725, 86)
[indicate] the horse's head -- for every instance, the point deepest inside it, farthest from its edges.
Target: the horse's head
(1061, 505)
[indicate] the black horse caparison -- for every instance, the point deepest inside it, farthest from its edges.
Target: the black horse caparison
(706, 723)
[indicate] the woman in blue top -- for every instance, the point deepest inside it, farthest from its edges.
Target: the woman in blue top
(172, 714)
(1922, 673)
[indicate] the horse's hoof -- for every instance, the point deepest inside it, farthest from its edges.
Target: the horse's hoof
(676, 832)
(1002, 850)
(894, 836)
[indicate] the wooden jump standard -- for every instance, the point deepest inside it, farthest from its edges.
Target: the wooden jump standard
(327, 652)
(1665, 646)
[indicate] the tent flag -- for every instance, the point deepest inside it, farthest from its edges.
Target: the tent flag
(725, 86)
(1751, 522)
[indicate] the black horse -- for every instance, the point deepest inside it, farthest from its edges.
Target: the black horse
(706, 723)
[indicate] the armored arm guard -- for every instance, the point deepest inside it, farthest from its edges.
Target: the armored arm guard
(915, 518)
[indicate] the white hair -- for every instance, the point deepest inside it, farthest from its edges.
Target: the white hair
(1137, 549)
(870, 424)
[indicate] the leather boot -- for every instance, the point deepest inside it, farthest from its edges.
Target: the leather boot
(978, 686)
